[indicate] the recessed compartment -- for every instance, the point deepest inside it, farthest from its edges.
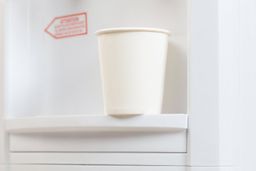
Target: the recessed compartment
(46, 75)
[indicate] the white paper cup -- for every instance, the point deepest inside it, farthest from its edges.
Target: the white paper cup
(133, 69)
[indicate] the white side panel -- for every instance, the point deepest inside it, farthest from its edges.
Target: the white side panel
(229, 128)
(2, 134)
(213, 72)
(248, 84)
(93, 168)
(203, 84)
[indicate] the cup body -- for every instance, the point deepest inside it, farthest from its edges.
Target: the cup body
(133, 62)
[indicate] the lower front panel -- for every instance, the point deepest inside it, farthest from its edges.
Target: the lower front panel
(125, 159)
(137, 142)
(92, 168)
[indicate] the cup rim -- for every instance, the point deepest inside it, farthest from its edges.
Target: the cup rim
(131, 29)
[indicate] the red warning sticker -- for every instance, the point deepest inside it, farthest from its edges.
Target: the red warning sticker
(68, 26)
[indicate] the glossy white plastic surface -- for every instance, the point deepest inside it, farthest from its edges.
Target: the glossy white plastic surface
(133, 62)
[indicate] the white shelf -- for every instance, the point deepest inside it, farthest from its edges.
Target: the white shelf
(76, 123)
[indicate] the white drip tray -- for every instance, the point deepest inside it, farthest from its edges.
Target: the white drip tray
(78, 123)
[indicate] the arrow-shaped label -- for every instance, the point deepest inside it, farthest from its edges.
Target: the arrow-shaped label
(68, 26)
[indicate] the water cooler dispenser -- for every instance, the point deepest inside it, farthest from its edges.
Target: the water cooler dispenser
(53, 112)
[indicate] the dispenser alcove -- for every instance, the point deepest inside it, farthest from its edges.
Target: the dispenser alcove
(57, 81)
(46, 77)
